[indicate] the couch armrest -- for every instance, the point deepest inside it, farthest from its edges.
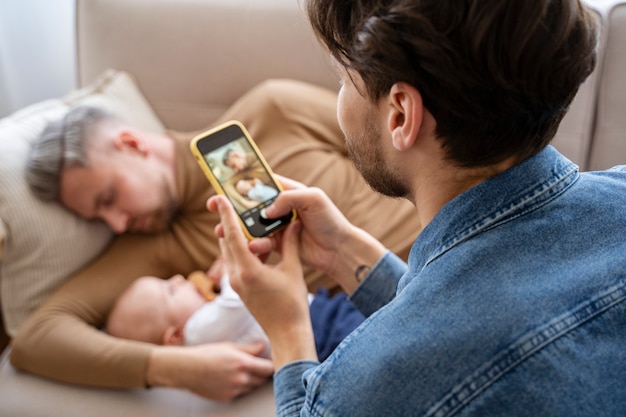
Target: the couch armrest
(193, 58)
(609, 147)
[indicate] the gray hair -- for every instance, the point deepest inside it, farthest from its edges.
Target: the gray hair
(62, 144)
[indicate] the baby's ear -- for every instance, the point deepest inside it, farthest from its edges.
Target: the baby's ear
(173, 336)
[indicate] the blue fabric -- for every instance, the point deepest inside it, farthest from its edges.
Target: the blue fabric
(333, 318)
(513, 304)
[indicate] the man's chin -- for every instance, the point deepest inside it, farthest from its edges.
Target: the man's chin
(147, 227)
(155, 222)
(159, 224)
(153, 229)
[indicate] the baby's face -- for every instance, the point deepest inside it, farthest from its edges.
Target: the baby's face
(178, 297)
(243, 186)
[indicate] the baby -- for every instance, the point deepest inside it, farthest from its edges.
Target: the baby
(179, 311)
(255, 189)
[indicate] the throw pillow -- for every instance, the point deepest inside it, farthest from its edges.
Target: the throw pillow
(41, 242)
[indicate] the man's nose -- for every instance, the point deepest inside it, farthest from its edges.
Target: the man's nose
(117, 220)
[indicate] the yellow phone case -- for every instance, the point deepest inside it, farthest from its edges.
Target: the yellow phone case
(215, 182)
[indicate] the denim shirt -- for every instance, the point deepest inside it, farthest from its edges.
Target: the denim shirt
(513, 303)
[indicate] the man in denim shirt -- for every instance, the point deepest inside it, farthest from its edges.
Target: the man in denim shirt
(513, 302)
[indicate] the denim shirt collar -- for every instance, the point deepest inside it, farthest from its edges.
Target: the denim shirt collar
(518, 190)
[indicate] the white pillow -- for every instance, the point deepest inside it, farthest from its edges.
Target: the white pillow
(42, 243)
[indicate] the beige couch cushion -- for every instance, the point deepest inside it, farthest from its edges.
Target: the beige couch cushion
(42, 243)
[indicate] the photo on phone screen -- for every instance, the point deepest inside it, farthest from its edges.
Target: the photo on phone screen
(236, 169)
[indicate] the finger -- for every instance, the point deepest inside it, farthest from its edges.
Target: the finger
(211, 203)
(256, 381)
(251, 383)
(262, 246)
(227, 245)
(234, 239)
(261, 367)
(289, 250)
(302, 200)
(258, 366)
(216, 271)
(254, 349)
(229, 221)
(219, 230)
(229, 265)
(286, 201)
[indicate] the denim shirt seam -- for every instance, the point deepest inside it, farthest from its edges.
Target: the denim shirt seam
(534, 199)
(525, 347)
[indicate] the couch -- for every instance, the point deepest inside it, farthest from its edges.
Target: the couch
(178, 64)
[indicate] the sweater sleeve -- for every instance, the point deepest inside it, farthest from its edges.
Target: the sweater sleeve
(62, 340)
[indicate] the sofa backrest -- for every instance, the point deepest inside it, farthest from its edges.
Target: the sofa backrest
(608, 146)
(190, 67)
(576, 131)
(193, 58)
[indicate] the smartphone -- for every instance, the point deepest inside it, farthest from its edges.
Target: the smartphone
(235, 167)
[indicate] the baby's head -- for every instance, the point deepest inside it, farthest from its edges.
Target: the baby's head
(244, 185)
(154, 310)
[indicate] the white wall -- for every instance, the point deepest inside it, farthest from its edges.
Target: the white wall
(36, 51)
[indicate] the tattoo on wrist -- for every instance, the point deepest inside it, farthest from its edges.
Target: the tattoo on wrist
(361, 272)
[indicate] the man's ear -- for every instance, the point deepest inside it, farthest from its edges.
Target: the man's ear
(128, 139)
(173, 336)
(405, 117)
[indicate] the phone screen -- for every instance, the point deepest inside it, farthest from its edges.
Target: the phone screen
(237, 170)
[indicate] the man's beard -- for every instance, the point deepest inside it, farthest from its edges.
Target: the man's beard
(366, 153)
(164, 216)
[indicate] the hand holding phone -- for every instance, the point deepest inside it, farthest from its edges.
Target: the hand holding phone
(235, 167)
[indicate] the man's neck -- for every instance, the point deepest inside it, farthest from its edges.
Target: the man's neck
(447, 181)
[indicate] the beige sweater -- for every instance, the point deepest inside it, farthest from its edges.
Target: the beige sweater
(295, 127)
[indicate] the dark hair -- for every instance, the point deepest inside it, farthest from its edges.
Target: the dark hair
(497, 75)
